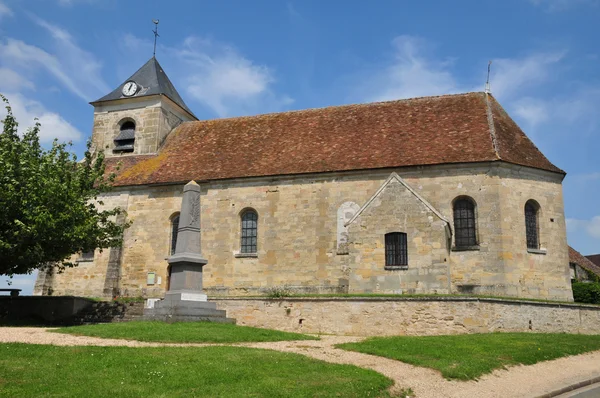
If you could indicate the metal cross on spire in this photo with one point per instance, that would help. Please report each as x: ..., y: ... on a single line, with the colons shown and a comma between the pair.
x: 155, y: 31
x: 487, y: 82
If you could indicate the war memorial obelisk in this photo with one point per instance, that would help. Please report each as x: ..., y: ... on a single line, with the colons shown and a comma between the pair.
x: 185, y: 299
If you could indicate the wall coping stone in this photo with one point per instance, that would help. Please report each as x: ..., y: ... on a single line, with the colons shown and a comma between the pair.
x: 424, y: 299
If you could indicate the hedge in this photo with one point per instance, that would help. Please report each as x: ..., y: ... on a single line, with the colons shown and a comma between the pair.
x: 586, y: 292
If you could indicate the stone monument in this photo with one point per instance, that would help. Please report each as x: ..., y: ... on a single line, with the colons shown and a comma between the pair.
x: 185, y: 300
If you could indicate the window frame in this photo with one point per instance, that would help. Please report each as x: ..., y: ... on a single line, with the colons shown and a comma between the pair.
x: 174, y: 229
x: 125, y: 145
x: 532, y: 232
x: 86, y: 257
x: 472, y: 240
x: 396, y: 250
x: 248, y: 232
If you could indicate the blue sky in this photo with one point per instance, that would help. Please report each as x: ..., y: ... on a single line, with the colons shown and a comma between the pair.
x: 231, y: 58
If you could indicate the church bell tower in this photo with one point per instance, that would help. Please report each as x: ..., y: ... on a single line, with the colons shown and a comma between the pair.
x: 136, y: 117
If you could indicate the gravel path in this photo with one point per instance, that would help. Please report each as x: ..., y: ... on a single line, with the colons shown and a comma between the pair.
x: 517, y: 381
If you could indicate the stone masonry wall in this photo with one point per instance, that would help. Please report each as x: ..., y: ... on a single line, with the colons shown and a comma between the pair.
x: 298, y: 229
x: 153, y: 119
x: 416, y: 317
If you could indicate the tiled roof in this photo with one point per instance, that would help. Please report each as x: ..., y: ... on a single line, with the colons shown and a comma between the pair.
x: 153, y: 81
x: 579, y: 259
x: 460, y: 128
x: 595, y: 258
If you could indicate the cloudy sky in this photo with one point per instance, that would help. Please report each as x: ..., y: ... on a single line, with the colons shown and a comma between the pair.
x: 230, y: 58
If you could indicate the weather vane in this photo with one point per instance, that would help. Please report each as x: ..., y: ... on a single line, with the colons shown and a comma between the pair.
x: 155, y: 31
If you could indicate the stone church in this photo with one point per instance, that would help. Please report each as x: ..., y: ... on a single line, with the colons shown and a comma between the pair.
x: 432, y: 195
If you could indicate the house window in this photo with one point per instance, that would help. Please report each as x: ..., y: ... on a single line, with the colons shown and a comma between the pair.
x: 531, y: 225
x: 465, y: 226
x: 396, y: 249
x: 174, y: 230
x: 249, y: 231
x: 87, y: 256
x: 126, y: 138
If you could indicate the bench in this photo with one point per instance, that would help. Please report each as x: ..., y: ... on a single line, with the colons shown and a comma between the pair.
x: 13, y: 292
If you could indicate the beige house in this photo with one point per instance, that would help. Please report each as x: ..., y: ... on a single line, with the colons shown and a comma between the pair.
x: 428, y: 195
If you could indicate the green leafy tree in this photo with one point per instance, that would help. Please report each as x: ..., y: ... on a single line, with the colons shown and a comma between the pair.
x: 49, y: 202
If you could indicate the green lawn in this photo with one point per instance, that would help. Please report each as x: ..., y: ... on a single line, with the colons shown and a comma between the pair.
x: 467, y: 357
x: 183, y: 332
x: 51, y: 371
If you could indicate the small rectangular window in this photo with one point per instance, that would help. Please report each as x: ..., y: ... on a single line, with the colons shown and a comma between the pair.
x: 396, y: 249
x: 87, y: 256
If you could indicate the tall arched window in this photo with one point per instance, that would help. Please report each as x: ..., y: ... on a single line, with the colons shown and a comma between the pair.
x: 126, y: 138
x: 174, y: 230
x: 396, y: 249
x: 465, y: 223
x: 531, y: 224
x: 249, y: 231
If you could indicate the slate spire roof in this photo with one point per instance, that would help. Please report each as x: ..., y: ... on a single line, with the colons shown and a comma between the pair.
x: 448, y: 129
x: 153, y: 81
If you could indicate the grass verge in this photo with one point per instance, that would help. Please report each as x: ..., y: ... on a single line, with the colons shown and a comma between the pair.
x: 45, y: 370
x: 467, y: 357
x: 183, y: 332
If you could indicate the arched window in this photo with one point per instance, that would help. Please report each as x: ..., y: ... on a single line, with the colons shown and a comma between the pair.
x: 465, y: 225
x: 126, y: 138
x: 174, y: 230
x: 396, y: 249
x: 249, y: 231
x: 531, y: 224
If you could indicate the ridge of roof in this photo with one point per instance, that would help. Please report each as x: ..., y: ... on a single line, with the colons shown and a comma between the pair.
x: 490, y: 116
x: 152, y: 80
x: 343, y: 106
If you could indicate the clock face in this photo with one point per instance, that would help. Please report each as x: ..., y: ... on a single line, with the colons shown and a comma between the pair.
x: 129, y: 89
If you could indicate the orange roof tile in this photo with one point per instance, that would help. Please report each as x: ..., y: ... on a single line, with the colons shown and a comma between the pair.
x: 460, y: 128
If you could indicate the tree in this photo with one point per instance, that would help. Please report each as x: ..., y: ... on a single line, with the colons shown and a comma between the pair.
x: 49, y: 202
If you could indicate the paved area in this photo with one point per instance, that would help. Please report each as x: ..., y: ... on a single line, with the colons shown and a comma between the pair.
x: 592, y: 391
x: 518, y: 381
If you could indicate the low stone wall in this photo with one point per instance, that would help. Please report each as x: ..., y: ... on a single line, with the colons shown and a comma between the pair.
x: 65, y: 310
x: 410, y: 316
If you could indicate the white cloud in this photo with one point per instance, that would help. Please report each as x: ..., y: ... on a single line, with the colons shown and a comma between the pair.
x: 561, y: 5
x: 68, y: 3
x: 75, y: 68
x: 12, y: 81
x: 591, y: 227
x: 219, y: 77
x: 534, y: 110
x: 513, y: 76
x: 588, y: 177
x: 53, y: 125
x: 226, y: 81
x: 4, y: 10
x: 411, y: 74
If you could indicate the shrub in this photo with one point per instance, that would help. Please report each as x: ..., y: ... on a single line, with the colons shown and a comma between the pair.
x: 278, y: 292
x: 586, y: 292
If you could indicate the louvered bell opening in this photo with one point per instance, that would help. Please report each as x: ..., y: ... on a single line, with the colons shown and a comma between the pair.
x: 125, y: 140
x: 123, y: 146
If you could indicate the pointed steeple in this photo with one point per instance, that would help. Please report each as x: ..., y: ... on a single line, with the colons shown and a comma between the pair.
x: 149, y: 80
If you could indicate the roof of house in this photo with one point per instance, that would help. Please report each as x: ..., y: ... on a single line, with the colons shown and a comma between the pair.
x: 152, y: 80
x: 595, y: 258
x: 448, y: 129
x: 583, y: 262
